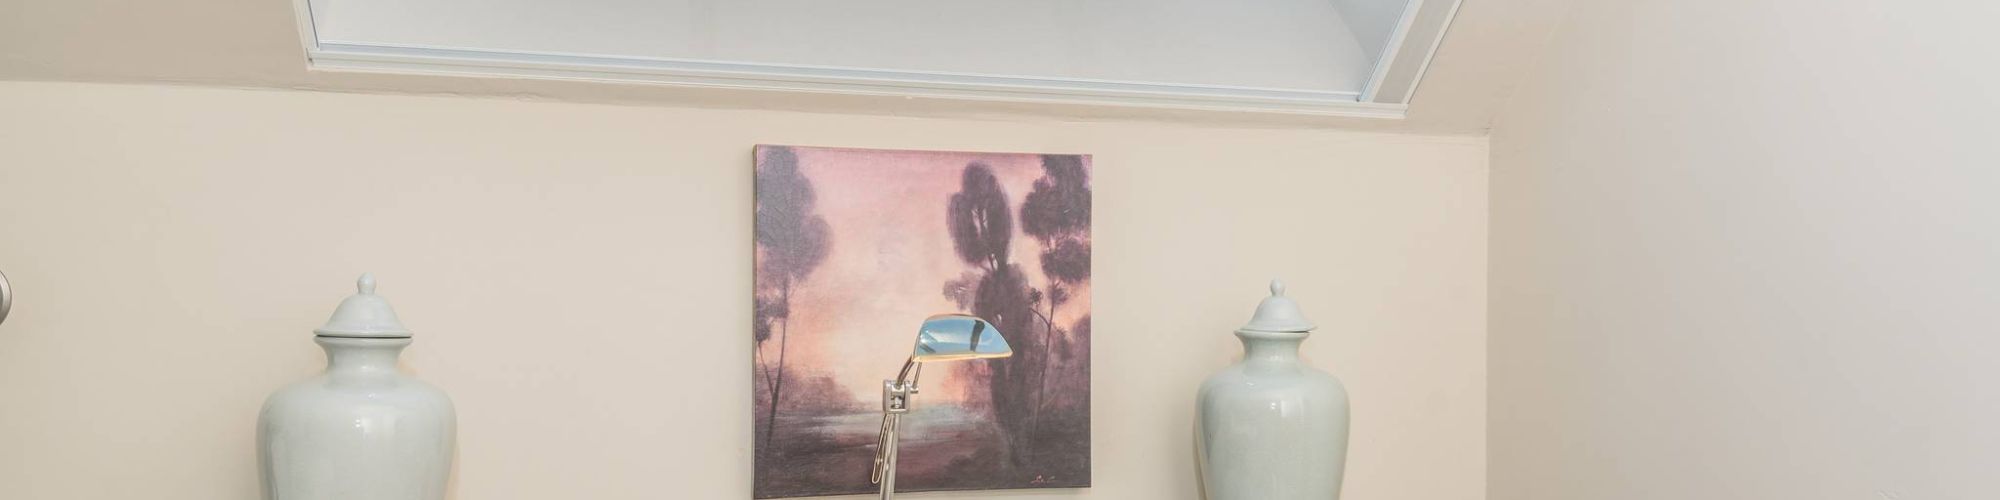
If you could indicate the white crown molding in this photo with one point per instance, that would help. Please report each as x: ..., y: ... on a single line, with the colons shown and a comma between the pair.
x: 1438, y: 41
x: 1388, y: 56
x: 331, y: 55
x: 341, y: 56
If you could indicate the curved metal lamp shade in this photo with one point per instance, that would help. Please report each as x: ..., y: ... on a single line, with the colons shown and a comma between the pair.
x: 952, y: 337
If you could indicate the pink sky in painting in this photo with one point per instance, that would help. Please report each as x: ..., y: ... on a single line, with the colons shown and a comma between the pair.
x: 856, y: 316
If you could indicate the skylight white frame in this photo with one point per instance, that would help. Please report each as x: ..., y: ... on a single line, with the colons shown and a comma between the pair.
x: 374, y: 57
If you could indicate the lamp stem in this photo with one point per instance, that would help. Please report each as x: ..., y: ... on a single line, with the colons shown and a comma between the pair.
x: 896, y: 396
x: 894, y: 424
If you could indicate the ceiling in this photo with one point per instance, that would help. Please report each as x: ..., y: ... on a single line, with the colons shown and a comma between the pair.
x: 256, y: 43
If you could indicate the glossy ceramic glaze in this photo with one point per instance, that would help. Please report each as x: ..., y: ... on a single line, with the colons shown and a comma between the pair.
x: 1270, y: 427
x: 362, y: 429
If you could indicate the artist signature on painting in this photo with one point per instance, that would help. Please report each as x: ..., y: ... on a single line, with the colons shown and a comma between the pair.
x: 1042, y: 479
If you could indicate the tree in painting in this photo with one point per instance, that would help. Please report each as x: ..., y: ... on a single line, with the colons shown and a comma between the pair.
x: 1057, y: 214
x: 982, y: 228
x: 791, y: 240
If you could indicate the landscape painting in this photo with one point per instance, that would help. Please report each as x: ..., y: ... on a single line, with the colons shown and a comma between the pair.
x: 854, y: 249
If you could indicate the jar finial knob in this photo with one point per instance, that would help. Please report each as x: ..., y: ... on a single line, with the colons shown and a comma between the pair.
x: 364, y: 315
x: 1278, y: 313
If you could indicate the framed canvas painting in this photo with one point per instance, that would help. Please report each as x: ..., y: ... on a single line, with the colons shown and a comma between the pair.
x: 854, y: 248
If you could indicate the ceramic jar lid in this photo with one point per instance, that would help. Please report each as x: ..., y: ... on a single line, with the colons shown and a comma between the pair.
x: 1278, y: 314
x: 364, y: 315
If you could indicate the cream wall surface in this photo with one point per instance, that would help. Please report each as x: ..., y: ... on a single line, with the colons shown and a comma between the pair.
x: 578, y: 277
x: 1750, y: 250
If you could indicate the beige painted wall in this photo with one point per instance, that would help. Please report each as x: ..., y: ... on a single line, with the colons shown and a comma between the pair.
x: 1750, y: 250
x: 578, y: 278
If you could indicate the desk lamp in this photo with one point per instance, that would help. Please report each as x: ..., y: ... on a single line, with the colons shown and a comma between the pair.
x: 944, y: 337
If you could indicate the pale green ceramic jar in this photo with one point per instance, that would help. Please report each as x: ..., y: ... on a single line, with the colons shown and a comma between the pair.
x: 1270, y: 427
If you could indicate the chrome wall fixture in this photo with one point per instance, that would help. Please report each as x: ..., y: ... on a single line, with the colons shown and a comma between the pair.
x: 6, y: 297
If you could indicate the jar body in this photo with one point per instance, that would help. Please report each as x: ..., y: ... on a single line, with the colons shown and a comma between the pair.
x: 362, y: 430
x: 1272, y: 428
